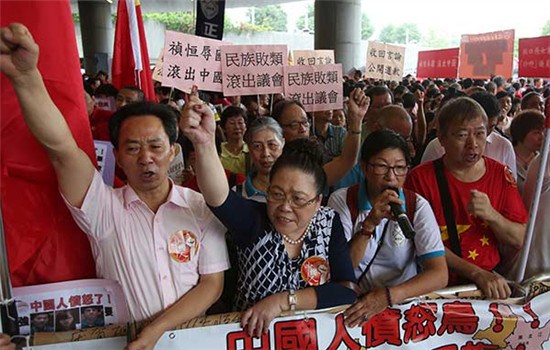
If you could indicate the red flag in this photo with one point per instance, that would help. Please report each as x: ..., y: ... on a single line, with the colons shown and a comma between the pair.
x: 43, y: 242
x: 130, y: 56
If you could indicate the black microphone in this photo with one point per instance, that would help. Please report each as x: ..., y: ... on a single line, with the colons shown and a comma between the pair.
x: 402, y: 218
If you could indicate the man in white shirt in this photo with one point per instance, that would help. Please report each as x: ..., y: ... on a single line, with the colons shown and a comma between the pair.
x: 158, y: 240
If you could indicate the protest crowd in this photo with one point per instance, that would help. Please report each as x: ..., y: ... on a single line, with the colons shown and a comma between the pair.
x: 250, y: 203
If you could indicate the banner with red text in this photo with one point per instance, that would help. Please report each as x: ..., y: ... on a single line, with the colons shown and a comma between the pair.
x: 385, y: 61
x: 253, y: 69
x: 534, y: 57
x: 70, y: 305
x: 451, y: 324
x: 192, y: 60
x: 318, y: 87
x: 487, y: 54
x: 441, y: 322
x: 438, y: 63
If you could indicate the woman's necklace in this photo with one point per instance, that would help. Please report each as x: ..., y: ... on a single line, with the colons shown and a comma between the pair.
x: 301, y: 238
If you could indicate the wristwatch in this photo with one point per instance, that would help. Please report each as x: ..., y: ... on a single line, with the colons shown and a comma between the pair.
x: 292, y: 299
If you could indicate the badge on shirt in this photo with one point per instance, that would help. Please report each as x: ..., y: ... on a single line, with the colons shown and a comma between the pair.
x: 509, y: 176
x: 315, y: 271
x: 183, y: 246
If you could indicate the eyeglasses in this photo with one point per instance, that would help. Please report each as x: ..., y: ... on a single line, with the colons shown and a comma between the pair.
x: 383, y: 169
x: 295, y: 201
x: 462, y: 136
x: 295, y: 125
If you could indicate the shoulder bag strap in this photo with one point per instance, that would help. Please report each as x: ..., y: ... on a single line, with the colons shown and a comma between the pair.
x: 447, y: 206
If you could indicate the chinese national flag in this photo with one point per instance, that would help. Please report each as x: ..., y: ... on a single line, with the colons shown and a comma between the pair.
x: 130, y: 56
x: 44, y: 244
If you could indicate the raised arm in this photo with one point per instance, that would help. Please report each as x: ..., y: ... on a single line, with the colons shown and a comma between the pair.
x: 197, y: 123
x: 339, y: 166
x: 18, y: 61
x: 421, y: 127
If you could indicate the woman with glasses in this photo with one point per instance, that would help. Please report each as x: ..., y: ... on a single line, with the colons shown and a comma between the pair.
x: 384, y: 258
x: 292, y: 252
x: 292, y: 117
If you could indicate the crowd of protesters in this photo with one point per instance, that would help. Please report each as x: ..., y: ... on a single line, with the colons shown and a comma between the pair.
x: 305, y: 202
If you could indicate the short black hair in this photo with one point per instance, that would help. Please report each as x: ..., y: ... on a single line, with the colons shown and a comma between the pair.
x: 400, y: 89
x: 488, y: 102
x: 140, y: 93
x: 107, y: 90
x: 167, y: 116
x: 379, y: 140
x: 502, y: 94
x: 231, y: 112
x: 306, y: 155
x: 525, y: 99
x: 282, y: 105
x: 378, y: 91
x: 409, y: 100
x: 524, y: 122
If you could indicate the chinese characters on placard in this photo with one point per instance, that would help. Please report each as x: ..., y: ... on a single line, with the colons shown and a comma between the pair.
x: 312, y: 57
x: 319, y: 87
x: 253, y: 69
x: 190, y: 60
x: 385, y: 61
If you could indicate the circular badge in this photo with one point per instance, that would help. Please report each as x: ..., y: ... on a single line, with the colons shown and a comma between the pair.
x: 315, y: 271
x: 183, y: 246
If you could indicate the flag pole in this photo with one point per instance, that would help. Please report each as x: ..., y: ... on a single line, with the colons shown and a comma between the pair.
x: 8, y: 310
x: 520, y: 274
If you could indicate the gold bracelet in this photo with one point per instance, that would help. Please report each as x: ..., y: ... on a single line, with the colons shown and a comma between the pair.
x: 353, y: 132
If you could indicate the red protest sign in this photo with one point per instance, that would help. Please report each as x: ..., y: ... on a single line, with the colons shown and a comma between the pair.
x: 483, y: 55
x: 534, y: 57
x: 437, y: 63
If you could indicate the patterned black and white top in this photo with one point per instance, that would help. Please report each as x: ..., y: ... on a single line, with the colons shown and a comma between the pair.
x: 264, y: 266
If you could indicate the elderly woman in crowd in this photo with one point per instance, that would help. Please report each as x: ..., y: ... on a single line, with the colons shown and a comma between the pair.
x: 292, y: 252
x: 385, y: 259
x: 265, y: 143
x: 234, y: 151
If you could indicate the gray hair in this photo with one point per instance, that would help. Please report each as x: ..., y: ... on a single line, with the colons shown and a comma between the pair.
x: 264, y: 123
x: 499, y: 80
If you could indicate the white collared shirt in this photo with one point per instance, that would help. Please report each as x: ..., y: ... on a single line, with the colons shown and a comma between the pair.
x: 156, y: 258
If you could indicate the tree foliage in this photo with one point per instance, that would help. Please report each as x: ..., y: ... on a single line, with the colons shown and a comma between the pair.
x: 270, y: 18
x: 301, y: 21
x: 367, y: 28
x: 434, y: 40
x: 546, y: 28
x: 400, y: 34
x: 176, y: 21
